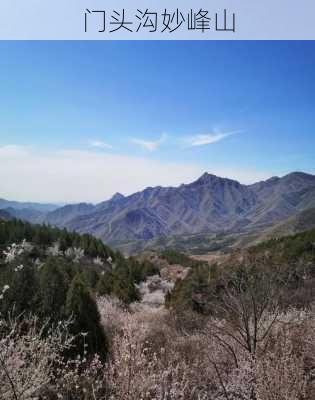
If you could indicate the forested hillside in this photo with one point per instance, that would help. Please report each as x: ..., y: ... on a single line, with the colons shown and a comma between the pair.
x: 289, y: 260
x: 240, y: 328
x: 56, y: 274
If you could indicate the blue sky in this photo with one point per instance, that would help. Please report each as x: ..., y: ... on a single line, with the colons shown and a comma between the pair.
x: 82, y: 120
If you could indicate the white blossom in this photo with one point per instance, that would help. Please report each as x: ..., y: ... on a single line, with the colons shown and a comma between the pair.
x: 19, y: 268
x: 74, y: 253
x: 98, y: 261
x: 54, y: 250
x: 15, y: 250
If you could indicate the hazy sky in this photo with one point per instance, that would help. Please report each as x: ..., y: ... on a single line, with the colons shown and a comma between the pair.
x: 82, y: 120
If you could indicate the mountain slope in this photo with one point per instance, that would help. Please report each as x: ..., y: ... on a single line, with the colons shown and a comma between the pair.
x: 42, y: 207
x: 61, y: 216
x: 5, y: 215
x: 305, y: 220
x: 25, y: 214
x: 209, y: 204
x: 281, y: 198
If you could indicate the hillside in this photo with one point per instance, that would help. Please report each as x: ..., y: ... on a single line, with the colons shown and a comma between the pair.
x: 42, y: 207
x: 105, y: 270
x: 291, y: 259
x: 303, y: 221
x: 198, y: 211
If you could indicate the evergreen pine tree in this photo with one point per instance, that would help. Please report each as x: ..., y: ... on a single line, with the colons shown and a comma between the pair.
x: 23, y: 289
x: 86, y: 319
x: 53, y: 290
x: 105, y: 284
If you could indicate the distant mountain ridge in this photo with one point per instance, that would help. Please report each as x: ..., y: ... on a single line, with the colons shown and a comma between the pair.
x: 18, y: 205
x: 209, y: 204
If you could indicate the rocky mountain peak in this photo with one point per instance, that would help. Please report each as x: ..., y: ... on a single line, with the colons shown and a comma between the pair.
x: 211, y: 179
x: 206, y: 178
x: 117, y: 196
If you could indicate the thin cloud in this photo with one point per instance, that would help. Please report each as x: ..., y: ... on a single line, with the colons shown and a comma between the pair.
x: 99, y: 144
x: 148, y: 144
x: 67, y: 176
x: 205, y: 139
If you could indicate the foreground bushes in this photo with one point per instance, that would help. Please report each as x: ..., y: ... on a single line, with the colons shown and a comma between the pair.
x: 152, y: 359
x: 155, y: 356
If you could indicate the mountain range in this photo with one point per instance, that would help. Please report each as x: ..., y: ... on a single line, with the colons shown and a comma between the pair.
x: 208, y: 205
x: 16, y: 205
